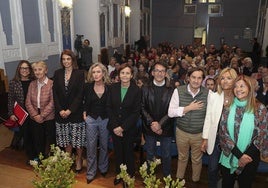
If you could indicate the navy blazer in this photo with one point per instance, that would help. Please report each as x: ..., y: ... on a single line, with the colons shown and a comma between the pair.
x: 73, y: 99
x: 127, y: 112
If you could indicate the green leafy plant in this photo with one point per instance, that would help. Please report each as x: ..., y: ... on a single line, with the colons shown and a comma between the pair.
x: 125, y: 176
x: 54, y: 171
x: 149, y: 178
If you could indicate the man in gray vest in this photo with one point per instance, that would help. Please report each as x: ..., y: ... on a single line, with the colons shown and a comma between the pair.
x: 188, y: 105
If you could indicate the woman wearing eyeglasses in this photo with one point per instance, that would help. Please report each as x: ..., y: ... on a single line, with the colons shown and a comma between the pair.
x: 18, y: 88
x: 243, y: 135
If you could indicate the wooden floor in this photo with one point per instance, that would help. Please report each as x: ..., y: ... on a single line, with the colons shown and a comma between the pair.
x: 15, y: 173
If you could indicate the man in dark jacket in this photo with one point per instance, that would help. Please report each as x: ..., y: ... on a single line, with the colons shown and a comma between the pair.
x: 86, y: 54
x: 157, y: 126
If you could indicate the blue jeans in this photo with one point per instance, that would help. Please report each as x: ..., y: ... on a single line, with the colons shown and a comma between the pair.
x: 213, y: 165
x: 165, y: 147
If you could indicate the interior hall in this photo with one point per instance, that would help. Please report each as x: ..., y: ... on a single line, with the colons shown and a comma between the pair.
x: 185, y: 34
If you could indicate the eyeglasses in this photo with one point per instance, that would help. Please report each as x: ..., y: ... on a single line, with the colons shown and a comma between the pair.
x: 24, y: 68
x: 159, y: 71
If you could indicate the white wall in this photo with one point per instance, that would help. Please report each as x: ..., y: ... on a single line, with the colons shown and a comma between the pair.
x: 86, y: 22
x: 134, y: 21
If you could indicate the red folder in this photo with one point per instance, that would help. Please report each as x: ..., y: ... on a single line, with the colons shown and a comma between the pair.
x: 20, y: 113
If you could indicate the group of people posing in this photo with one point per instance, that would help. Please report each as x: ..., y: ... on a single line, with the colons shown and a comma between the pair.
x: 76, y: 111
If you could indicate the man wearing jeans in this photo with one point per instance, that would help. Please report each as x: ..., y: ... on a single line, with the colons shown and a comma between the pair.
x: 188, y: 105
x: 157, y: 126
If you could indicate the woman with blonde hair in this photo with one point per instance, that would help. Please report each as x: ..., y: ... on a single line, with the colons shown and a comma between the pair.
x: 243, y: 135
x: 219, y: 100
x: 40, y: 105
x: 96, y: 118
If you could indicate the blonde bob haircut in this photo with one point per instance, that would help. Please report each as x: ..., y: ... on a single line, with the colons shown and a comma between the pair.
x: 232, y: 73
x: 106, y: 78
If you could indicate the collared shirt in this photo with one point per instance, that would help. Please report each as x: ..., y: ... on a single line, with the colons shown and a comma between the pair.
x: 175, y: 110
x: 39, y: 86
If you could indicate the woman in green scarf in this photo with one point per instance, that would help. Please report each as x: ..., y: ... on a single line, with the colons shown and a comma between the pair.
x: 243, y: 135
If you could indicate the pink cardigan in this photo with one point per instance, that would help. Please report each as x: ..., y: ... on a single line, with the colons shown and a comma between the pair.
x: 46, y: 100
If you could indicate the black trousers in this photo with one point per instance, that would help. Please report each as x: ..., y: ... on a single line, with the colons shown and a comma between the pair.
x: 124, y: 152
x: 44, y: 134
x: 246, y: 178
x: 29, y: 139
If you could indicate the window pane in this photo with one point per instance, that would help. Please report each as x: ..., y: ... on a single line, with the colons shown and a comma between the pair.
x: 30, y: 13
x: 6, y: 20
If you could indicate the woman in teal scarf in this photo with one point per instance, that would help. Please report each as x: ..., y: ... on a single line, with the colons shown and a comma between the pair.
x: 243, y: 136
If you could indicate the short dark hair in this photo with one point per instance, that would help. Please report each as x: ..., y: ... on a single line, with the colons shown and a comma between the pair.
x: 125, y: 65
x: 212, y: 79
x: 162, y: 63
x: 194, y: 69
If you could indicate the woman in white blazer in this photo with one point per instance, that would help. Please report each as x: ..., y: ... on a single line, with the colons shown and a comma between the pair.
x: 219, y: 100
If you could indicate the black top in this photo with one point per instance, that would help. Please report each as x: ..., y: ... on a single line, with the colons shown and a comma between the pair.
x: 73, y: 99
x: 25, y: 86
x: 124, y: 113
x: 158, y: 93
x: 154, y: 107
x: 94, y: 105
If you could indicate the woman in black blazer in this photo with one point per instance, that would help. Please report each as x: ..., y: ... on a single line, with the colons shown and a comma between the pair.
x: 124, y: 104
x: 68, y: 92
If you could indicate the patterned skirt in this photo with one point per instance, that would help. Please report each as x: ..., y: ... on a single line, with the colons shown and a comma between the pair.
x: 73, y: 134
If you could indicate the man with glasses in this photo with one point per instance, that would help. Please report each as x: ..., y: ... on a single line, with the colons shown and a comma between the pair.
x: 157, y: 126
